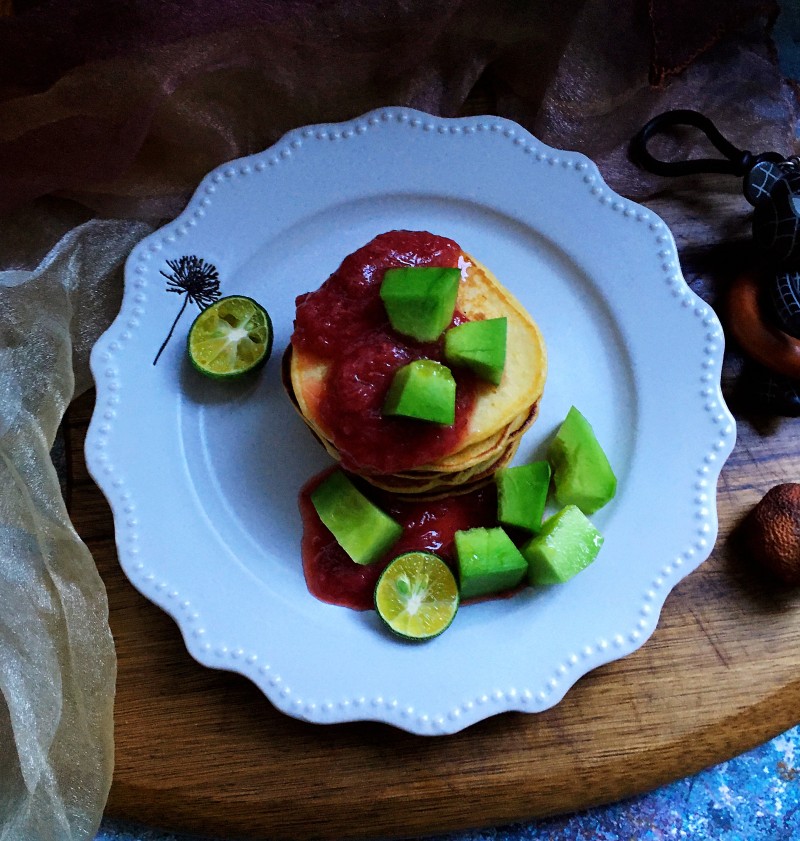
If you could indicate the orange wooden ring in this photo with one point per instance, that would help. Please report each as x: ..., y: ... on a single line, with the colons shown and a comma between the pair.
x: 765, y: 343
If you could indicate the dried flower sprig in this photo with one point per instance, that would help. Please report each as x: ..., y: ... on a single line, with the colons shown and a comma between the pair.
x: 194, y: 278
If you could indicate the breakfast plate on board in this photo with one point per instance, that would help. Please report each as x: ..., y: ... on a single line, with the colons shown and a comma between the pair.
x: 203, y: 477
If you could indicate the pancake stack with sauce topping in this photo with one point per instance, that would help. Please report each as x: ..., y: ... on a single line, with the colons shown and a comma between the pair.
x: 344, y: 353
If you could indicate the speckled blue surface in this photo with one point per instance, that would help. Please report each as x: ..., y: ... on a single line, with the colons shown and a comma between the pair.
x: 753, y: 797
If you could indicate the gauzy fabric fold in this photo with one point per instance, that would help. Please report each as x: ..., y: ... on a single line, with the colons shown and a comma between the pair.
x: 112, y: 112
x: 57, y: 661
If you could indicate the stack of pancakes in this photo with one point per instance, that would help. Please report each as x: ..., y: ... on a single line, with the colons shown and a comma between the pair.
x: 500, y: 416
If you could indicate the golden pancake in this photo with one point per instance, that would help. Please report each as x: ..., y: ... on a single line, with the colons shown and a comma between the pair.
x: 446, y: 485
x: 479, y: 453
x: 480, y: 296
x: 452, y: 464
x: 500, y: 413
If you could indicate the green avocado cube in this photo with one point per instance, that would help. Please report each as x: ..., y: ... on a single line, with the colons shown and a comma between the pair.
x: 364, y: 531
x: 423, y: 389
x: 420, y: 300
x: 479, y: 346
x: 522, y: 495
x: 488, y: 562
x: 567, y: 544
x: 582, y: 474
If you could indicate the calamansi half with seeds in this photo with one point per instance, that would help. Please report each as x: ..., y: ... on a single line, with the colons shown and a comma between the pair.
x: 417, y: 596
x: 230, y: 338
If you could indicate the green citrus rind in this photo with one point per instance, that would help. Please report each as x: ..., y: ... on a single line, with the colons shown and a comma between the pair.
x: 417, y: 596
x: 230, y: 338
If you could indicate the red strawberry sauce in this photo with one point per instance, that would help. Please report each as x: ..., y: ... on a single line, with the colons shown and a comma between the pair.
x: 428, y: 525
x: 345, y: 323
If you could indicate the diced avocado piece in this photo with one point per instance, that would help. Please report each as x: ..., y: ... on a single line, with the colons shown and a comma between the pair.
x: 360, y: 527
x: 423, y: 389
x: 420, y: 300
x: 567, y: 544
x: 581, y: 472
x: 522, y: 495
x: 488, y: 562
x: 479, y: 346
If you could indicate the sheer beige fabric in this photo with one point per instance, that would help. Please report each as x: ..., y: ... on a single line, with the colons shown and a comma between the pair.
x: 57, y: 663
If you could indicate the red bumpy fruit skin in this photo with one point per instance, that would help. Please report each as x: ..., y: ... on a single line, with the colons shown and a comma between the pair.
x: 773, y: 532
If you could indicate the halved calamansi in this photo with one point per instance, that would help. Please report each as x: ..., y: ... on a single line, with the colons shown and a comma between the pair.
x: 230, y: 338
x: 417, y: 596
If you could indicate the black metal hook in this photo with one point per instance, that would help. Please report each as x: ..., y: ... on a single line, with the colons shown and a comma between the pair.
x: 736, y: 161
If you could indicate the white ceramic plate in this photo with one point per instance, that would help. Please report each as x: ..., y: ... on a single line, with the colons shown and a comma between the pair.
x: 203, y: 477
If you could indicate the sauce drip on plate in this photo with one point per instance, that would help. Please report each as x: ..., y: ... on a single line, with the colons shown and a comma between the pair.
x: 344, y: 322
x: 429, y: 525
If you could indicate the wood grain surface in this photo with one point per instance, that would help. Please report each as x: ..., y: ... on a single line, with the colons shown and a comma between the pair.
x: 204, y: 752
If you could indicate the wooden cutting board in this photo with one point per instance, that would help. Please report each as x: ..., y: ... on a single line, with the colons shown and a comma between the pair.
x: 204, y: 752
